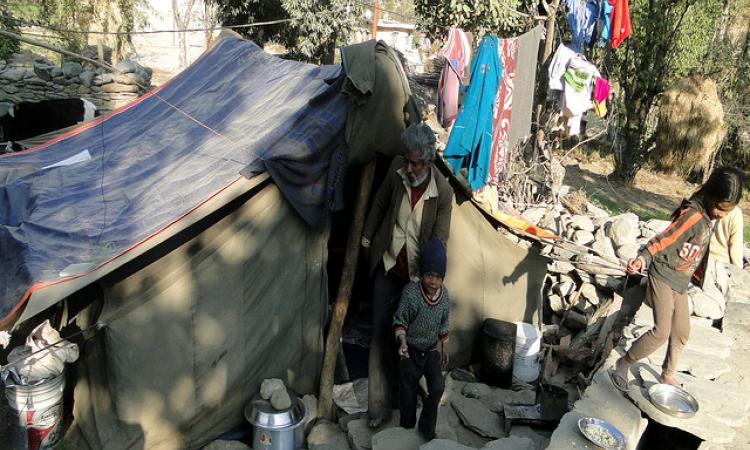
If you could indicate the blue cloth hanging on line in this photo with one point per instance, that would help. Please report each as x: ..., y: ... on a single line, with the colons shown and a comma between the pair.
x: 605, y: 18
x: 582, y: 16
x: 472, y: 132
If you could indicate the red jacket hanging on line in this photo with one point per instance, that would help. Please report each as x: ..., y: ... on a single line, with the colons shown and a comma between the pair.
x: 620, y: 26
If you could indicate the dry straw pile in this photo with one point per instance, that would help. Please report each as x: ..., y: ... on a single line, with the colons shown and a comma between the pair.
x: 691, y: 127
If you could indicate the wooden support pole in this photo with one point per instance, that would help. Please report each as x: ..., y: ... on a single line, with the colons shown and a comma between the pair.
x: 375, y: 18
x: 549, y: 38
x: 333, y: 341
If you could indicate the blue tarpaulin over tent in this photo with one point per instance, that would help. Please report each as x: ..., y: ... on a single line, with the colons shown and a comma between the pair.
x: 75, y: 203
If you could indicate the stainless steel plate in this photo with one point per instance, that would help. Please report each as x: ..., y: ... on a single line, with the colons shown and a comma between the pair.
x: 601, y: 433
x: 673, y: 400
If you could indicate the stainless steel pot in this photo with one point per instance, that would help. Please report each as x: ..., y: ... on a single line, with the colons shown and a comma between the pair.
x: 274, y: 429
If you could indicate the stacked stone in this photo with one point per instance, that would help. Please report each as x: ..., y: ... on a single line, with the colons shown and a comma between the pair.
x: 32, y: 78
x: 596, y: 251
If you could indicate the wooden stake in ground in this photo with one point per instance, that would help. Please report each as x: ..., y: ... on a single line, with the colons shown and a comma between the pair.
x: 333, y: 341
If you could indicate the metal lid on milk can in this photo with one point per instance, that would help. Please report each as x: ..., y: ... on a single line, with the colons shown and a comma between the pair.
x: 260, y: 413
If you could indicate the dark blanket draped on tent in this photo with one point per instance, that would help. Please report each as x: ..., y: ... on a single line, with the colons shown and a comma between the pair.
x: 90, y: 195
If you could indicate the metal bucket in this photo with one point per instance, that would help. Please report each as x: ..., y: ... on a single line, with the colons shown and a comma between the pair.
x: 39, y: 409
x: 274, y: 429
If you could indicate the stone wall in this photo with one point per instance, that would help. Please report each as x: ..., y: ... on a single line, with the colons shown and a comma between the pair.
x: 31, y: 78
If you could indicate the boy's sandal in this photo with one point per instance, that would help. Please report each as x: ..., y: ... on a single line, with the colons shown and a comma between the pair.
x: 620, y: 383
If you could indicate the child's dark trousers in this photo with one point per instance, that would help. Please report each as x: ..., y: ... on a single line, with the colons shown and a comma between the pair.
x: 411, y: 370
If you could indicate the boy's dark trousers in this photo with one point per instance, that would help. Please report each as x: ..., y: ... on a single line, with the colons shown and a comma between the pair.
x: 411, y: 370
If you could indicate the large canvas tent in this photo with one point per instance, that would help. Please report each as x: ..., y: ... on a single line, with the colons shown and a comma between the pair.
x: 208, y: 281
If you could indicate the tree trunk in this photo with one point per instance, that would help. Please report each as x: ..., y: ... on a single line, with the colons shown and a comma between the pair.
x: 551, y: 9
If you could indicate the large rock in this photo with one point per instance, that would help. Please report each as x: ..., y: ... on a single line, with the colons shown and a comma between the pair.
x: 551, y: 221
x: 511, y: 443
x: 269, y: 386
x: 623, y: 230
x: 534, y: 214
x: 444, y: 444
x: 704, y: 305
x: 556, y: 305
x: 127, y: 66
x: 607, y: 282
x: 361, y: 436
x: 104, y: 78
x: 589, y: 292
x: 117, y: 87
x: 475, y: 390
x: 280, y: 400
x: 582, y: 223
x: 628, y: 251
x: 603, y: 246
x: 128, y: 78
x: 397, y: 439
x: 564, y: 288
x: 87, y: 78
x: 326, y: 436
x: 17, y: 74
x: 71, y: 69
x: 583, y: 237
x: 43, y: 71
x: 595, y: 211
x: 33, y: 82
x: 646, y: 233
x: 560, y: 267
x: 523, y: 431
x: 477, y: 417
x: 656, y: 225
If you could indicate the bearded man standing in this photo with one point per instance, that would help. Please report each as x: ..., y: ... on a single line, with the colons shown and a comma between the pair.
x: 413, y: 204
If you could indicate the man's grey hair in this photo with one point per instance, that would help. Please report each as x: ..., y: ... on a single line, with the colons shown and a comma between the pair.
x: 420, y: 137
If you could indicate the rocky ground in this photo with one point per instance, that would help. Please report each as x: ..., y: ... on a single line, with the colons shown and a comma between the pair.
x: 714, y: 368
x: 470, y: 416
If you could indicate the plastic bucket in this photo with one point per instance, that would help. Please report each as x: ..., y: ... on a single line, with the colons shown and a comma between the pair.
x: 497, y: 346
x: 526, y: 361
x: 39, y: 409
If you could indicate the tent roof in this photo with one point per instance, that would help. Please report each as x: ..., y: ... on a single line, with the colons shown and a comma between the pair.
x: 93, y: 199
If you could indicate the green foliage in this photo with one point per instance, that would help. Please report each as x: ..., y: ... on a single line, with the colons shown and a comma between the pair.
x: 8, y: 46
x: 311, y: 35
x: 317, y: 25
x: 500, y: 17
x: 68, y: 19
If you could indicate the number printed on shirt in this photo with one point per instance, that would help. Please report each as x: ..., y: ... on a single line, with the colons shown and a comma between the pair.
x: 689, y: 251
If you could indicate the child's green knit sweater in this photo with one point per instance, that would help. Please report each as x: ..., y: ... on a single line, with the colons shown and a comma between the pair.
x: 422, y: 319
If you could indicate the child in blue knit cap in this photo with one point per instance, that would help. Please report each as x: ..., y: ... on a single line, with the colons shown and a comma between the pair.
x: 421, y: 325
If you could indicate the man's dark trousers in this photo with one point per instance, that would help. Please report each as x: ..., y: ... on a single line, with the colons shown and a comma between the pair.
x: 382, y: 364
x: 411, y: 370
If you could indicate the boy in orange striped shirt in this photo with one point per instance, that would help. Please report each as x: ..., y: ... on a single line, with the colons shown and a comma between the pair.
x: 672, y: 257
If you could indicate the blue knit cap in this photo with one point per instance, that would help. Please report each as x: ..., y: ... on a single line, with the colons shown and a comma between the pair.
x: 433, y: 257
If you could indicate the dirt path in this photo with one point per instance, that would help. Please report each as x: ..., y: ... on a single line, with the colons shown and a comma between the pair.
x: 654, y: 195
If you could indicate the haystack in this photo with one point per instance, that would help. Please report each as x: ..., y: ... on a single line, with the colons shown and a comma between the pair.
x: 691, y: 127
